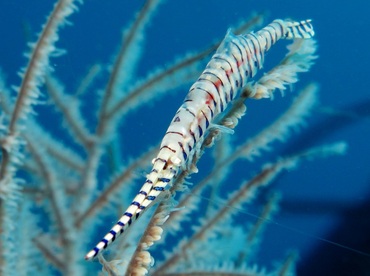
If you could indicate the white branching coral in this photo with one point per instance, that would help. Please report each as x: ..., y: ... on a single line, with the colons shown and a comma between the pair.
x: 61, y: 187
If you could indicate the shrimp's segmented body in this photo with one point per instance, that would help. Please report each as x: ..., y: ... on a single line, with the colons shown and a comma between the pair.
x: 236, y: 61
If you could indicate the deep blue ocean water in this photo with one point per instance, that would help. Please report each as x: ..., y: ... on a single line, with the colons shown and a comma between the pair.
x: 322, y: 199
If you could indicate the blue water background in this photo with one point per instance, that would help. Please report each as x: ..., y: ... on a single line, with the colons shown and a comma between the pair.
x: 318, y: 193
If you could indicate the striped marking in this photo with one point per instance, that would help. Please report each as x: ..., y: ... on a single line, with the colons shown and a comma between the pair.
x: 205, y: 117
x: 216, y: 88
x: 188, y: 110
x: 193, y: 135
x: 113, y: 234
x: 200, y: 131
x: 185, y: 156
x: 236, y: 60
x: 175, y: 132
x: 167, y: 147
x: 208, y: 99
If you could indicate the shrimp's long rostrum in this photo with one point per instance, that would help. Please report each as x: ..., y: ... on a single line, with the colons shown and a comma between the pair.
x: 235, y: 62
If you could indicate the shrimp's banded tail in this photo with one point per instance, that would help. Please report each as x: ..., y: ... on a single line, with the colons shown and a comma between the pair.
x: 160, y: 176
x: 301, y: 29
x: 236, y: 61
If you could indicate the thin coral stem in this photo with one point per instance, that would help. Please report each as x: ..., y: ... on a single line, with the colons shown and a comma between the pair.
x: 49, y: 253
x: 279, y: 129
x: 33, y: 75
x: 56, y: 198
x: 252, y: 239
x: 68, y: 106
x: 88, y: 80
x: 245, y: 193
x: 95, y: 149
x: 141, y: 260
x: 184, y: 64
x: 39, y: 58
x: 287, y: 267
x: 129, y: 39
x: 153, y: 81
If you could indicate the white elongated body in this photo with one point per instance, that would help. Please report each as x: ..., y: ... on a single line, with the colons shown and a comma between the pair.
x: 236, y: 61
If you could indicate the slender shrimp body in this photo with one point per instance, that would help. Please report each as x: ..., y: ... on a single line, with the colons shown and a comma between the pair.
x: 236, y: 61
